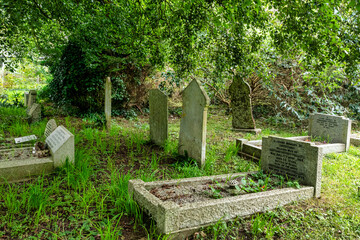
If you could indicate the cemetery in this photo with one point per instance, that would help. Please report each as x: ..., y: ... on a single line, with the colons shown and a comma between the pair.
x: 178, y: 120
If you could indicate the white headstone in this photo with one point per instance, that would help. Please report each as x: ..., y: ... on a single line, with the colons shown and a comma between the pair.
x: 158, y: 121
x: 192, y: 138
x: 25, y: 139
x: 296, y: 159
x: 50, y: 127
x: 333, y: 129
x: 61, y: 145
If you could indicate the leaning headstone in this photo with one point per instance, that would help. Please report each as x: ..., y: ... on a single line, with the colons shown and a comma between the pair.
x: 35, y: 113
x: 50, y: 127
x: 25, y: 139
x: 330, y: 128
x: 61, y: 145
x: 192, y: 138
x: 295, y: 159
x: 242, y: 117
x: 158, y: 104
x: 108, y: 103
x: 26, y: 98
x: 32, y: 98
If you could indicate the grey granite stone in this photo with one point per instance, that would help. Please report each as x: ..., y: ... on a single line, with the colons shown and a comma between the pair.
x: 26, y: 98
x: 242, y: 117
x: 50, y: 127
x: 61, y: 145
x: 192, y: 137
x: 34, y: 113
x: 158, y: 121
x: 292, y: 158
x: 329, y: 128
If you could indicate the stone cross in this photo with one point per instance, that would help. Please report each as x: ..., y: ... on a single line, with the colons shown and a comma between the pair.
x: 158, y: 104
x: 34, y: 113
x: 295, y: 159
x: 242, y: 117
x: 50, y: 127
x: 330, y: 128
x: 108, y: 103
x: 62, y: 146
x: 192, y: 137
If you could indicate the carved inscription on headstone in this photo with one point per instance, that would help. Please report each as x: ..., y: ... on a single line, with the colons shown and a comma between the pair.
x: 287, y: 157
x: 57, y: 139
x: 25, y: 139
x: 326, y: 122
x: 50, y: 127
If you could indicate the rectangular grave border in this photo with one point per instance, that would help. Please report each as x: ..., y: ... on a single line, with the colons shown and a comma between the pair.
x: 180, y: 220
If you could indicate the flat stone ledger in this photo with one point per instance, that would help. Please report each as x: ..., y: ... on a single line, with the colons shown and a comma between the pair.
x: 61, y: 145
x: 26, y: 98
x: 25, y: 139
x: 295, y: 159
x: 50, y: 127
x: 35, y: 113
x: 192, y: 137
x: 158, y: 104
x: 329, y: 128
x: 241, y: 105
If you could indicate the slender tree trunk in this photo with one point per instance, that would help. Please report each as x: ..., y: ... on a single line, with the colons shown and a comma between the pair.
x: 108, y: 103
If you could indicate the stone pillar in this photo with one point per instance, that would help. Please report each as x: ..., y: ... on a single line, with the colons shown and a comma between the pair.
x: 158, y: 104
x: 192, y: 138
x: 26, y: 98
x: 32, y: 98
x: 242, y: 117
x: 108, y: 103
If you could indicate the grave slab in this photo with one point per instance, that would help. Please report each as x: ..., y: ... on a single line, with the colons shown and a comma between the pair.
x: 25, y: 139
x: 192, y: 137
x: 61, y: 145
x: 158, y: 121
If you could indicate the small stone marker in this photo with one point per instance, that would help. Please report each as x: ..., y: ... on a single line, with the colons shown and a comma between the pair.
x: 192, y: 137
x: 158, y: 104
x: 50, y: 127
x: 25, y: 139
x: 329, y: 128
x: 26, y: 98
x: 35, y: 113
x: 108, y: 103
x: 296, y: 159
x: 61, y: 145
x: 32, y: 98
x: 241, y: 106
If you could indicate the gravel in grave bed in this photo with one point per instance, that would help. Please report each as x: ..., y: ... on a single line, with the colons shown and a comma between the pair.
x: 25, y: 153
x: 202, y: 191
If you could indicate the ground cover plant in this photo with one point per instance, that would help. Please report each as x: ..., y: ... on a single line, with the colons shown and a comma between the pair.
x: 90, y: 200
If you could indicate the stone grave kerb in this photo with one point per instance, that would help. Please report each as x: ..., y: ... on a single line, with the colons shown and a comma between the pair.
x: 62, y: 146
x: 292, y: 158
x: 158, y: 120
x: 192, y: 137
x: 330, y: 128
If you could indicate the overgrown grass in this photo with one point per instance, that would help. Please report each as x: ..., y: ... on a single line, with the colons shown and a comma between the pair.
x: 90, y: 199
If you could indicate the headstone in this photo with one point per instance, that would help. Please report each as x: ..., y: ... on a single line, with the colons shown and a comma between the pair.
x: 61, y: 145
x: 35, y: 113
x: 108, y: 103
x: 50, y: 127
x: 158, y: 104
x: 25, y: 139
x: 26, y: 98
x: 296, y: 159
x: 192, y: 137
x: 242, y: 117
x: 32, y: 98
x: 329, y: 128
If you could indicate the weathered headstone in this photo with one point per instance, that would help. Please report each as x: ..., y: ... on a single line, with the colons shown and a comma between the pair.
x: 26, y: 98
x: 35, y: 113
x: 329, y: 128
x: 192, y: 138
x: 296, y: 159
x: 61, y: 145
x: 32, y: 98
x: 50, y: 127
x: 25, y: 139
x: 242, y: 117
x: 158, y: 104
x: 108, y: 103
